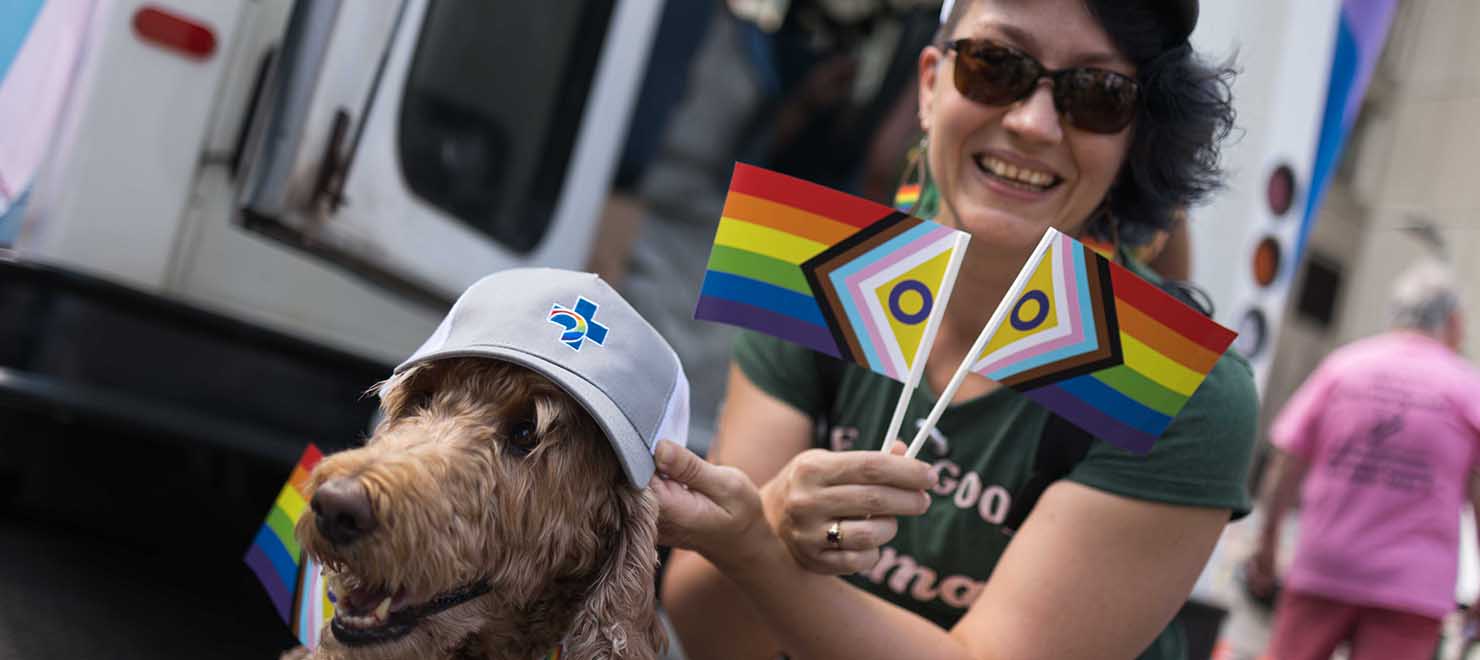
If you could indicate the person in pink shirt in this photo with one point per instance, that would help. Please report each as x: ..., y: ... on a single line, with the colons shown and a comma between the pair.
x: 1381, y: 444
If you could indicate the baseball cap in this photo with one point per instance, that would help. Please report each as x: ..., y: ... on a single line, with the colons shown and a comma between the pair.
x: 1182, y: 14
x: 574, y: 329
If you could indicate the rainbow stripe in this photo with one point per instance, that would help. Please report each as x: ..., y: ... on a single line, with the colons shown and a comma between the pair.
x: 907, y: 197
x: 293, y: 580
x: 835, y: 273
x: 1100, y: 346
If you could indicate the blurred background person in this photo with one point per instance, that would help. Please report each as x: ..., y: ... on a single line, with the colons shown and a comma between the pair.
x: 1380, y: 446
x: 817, y: 89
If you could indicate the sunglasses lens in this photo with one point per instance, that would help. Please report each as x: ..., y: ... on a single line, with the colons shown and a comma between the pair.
x: 993, y: 75
x: 1096, y: 101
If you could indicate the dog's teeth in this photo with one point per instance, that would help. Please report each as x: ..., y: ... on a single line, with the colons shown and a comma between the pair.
x: 384, y: 609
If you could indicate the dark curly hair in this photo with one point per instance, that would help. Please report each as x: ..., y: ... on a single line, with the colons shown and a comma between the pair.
x: 1185, y: 113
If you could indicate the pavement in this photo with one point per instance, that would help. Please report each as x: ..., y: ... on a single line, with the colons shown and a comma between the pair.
x: 70, y: 593
x: 119, y: 549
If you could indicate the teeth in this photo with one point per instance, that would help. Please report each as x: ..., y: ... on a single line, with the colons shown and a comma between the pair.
x: 356, y: 621
x: 1019, y: 174
x: 383, y: 610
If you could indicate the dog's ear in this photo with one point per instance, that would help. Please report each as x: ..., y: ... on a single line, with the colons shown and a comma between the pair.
x: 619, y: 618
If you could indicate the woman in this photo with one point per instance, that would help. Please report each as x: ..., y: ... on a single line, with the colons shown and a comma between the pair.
x: 1109, y: 553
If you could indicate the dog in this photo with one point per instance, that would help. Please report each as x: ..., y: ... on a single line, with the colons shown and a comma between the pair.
x: 487, y: 517
x: 496, y: 512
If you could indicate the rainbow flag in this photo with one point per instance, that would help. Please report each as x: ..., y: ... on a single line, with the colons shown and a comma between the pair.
x: 1098, y: 345
x: 294, y: 581
x: 906, y: 197
x: 835, y: 273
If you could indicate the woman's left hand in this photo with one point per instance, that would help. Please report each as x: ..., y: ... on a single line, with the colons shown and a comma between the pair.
x: 711, y: 509
x: 834, y: 510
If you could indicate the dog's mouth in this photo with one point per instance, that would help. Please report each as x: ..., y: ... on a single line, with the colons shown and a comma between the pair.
x: 364, y: 616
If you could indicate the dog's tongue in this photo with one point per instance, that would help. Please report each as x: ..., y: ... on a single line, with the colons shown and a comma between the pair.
x: 362, y: 601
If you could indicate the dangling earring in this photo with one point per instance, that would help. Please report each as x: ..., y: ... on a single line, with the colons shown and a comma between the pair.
x: 914, y: 179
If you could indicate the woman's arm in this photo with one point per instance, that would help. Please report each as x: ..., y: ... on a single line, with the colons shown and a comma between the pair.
x: 1090, y: 575
x: 757, y: 434
x: 806, y: 490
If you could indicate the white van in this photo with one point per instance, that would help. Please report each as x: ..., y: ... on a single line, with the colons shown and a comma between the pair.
x: 252, y: 209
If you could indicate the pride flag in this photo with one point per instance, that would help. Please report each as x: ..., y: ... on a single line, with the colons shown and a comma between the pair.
x: 1361, y: 30
x: 1098, y: 345
x: 835, y: 273
x: 907, y: 197
x: 294, y: 581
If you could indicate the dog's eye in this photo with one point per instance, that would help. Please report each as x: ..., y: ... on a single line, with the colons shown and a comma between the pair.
x: 522, y: 438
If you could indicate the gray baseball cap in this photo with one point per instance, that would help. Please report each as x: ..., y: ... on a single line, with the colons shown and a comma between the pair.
x: 574, y: 329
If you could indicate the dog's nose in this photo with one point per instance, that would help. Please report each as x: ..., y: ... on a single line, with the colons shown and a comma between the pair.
x: 342, y: 511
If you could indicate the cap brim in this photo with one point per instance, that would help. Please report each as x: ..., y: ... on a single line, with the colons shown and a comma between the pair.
x: 632, y: 451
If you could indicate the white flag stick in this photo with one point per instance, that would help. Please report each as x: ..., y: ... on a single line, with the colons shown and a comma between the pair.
x: 927, y: 339
x: 981, y: 342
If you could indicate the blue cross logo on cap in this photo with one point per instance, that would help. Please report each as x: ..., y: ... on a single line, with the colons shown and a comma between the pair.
x: 579, y: 323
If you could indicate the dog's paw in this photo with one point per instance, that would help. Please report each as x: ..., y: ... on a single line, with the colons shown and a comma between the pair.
x: 295, y: 653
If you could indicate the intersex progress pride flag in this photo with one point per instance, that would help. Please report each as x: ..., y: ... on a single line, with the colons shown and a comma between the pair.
x: 294, y: 581
x: 835, y: 273
x: 1098, y: 345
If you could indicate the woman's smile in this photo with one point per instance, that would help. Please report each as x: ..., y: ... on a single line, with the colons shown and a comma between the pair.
x: 1016, y: 177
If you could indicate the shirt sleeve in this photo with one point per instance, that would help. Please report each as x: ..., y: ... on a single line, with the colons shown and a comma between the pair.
x: 781, y: 369
x: 1294, y: 430
x: 1203, y: 457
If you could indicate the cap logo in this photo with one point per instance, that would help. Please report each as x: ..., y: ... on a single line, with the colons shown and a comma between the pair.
x: 578, y: 323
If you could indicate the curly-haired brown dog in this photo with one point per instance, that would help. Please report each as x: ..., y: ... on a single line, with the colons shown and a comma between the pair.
x: 487, y: 517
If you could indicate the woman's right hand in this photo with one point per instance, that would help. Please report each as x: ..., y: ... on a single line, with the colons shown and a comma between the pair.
x: 714, y: 510
x: 860, y: 491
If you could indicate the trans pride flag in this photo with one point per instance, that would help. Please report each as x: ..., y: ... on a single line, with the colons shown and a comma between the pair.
x: 1361, y: 30
x: 835, y: 273
x: 1098, y: 345
x: 294, y: 581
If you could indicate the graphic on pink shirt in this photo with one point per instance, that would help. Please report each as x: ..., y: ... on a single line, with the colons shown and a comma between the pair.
x: 1390, y: 429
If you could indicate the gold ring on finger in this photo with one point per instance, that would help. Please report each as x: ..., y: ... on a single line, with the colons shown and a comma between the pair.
x: 835, y: 534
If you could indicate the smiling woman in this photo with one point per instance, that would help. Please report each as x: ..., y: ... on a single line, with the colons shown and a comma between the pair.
x: 1092, y: 117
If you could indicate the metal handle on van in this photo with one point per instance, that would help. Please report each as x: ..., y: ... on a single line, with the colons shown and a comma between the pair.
x: 285, y: 107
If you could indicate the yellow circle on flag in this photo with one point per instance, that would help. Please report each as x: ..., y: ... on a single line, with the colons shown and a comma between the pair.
x: 911, y: 304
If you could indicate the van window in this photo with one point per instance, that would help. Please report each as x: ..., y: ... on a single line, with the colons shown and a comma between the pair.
x: 491, y: 109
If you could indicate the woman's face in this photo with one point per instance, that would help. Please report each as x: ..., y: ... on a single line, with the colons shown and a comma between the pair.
x: 981, y: 155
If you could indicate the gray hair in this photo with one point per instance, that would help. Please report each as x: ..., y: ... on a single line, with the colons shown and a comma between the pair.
x: 1424, y: 297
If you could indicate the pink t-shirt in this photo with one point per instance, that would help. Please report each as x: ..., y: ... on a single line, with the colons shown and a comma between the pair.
x: 1390, y: 427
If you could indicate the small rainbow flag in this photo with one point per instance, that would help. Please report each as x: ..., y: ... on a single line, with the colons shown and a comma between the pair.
x: 835, y: 273
x: 906, y: 197
x: 1098, y: 345
x: 293, y: 580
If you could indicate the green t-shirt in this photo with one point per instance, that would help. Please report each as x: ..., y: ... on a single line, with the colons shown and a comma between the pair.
x: 938, y: 562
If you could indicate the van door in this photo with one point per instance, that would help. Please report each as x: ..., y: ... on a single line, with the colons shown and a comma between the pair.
x: 426, y: 143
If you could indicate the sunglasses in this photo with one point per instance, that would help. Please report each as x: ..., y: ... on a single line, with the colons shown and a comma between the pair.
x: 1095, y: 100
